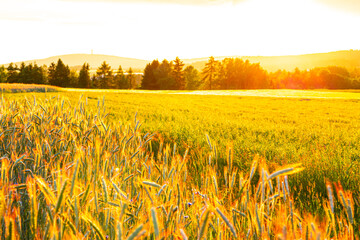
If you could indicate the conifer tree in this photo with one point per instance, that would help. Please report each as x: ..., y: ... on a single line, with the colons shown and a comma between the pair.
x: 209, y: 72
x: 59, y: 75
x: 104, y: 76
x: 120, y: 79
x: 178, y: 74
x: 84, y: 76
x: 12, y: 73
x: 131, y: 79
x: 51, y: 73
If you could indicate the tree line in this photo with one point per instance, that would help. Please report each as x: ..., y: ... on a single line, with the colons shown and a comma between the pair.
x: 235, y: 73
x: 332, y: 77
x: 59, y: 74
x: 229, y: 73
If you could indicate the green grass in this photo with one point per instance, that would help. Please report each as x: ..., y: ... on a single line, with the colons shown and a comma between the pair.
x: 319, y: 129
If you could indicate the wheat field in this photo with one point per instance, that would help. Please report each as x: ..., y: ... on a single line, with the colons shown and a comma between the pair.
x: 128, y: 165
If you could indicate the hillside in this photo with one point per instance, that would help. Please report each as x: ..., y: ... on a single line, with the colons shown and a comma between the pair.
x: 348, y: 58
x: 94, y: 60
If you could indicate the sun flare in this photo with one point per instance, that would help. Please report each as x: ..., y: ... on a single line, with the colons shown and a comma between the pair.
x: 147, y: 30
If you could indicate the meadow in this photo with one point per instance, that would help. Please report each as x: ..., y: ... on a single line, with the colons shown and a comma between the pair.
x: 132, y: 164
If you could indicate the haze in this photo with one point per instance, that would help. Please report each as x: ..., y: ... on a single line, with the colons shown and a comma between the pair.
x: 33, y: 29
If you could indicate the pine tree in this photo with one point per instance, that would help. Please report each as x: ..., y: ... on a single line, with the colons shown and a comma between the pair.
x: 31, y: 74
x: 179, y: 74
x: 24, y: 74
x: 84, y: 76
x: 59, y: 74
x: 131, y: 79
x: 104, y: 76
x: 38, y: 74
x: 120, y: 79
x: 51, y: 74
x: 12, y: 73
x: 209, y: 72
x: 62, y: 74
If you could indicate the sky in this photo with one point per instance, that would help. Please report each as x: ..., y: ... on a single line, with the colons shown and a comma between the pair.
x: 158, y: 29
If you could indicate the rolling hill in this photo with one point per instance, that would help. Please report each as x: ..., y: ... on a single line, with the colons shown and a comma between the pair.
x: 94, y: 60
x: 348, y: 58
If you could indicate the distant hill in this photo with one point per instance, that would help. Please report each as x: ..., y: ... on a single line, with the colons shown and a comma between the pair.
x: 348, y: 58
x: 75, y: 61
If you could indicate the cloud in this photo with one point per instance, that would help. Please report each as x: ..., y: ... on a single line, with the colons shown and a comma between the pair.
x: 345, y: 5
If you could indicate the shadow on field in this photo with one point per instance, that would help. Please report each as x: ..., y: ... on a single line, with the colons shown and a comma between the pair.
x: 22, y: 88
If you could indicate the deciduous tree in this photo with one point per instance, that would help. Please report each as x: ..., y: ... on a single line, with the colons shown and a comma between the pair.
x: 192, y: 78
x: 165, y: 78
x: 149, y: 80
x: 3, y: 74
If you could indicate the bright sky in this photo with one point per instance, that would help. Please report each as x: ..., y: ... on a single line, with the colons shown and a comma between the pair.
x: 145, y: 29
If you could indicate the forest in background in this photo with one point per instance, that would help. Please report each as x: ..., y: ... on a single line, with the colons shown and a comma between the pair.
x: 229, y: 73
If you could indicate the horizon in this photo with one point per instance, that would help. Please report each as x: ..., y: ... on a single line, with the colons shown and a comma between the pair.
x: 164, y: 29
x: 194, y: 58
